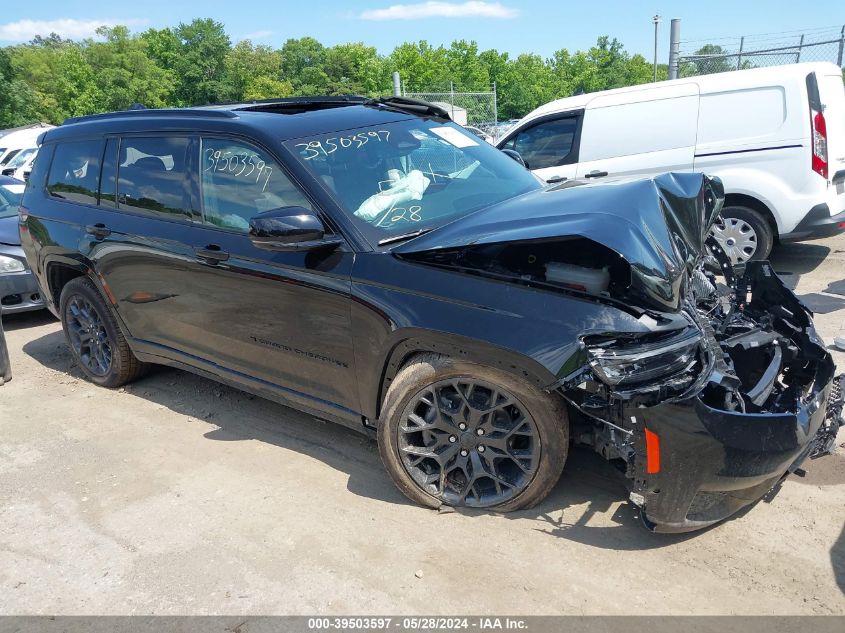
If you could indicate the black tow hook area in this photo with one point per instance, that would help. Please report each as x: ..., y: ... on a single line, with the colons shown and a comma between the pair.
x: 825, y: 439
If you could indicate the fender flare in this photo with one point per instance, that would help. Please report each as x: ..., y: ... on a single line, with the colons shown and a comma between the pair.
x: 407, y: 342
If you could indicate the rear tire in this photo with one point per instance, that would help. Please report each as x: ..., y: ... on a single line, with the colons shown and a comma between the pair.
x: 744, y: 234
x: 508, y: 456
x: 95, y: 340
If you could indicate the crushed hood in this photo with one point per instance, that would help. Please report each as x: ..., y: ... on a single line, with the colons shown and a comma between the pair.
x: 657, y: 225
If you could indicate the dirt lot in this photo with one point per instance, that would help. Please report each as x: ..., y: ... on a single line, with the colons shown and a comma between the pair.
x: 176, y: 495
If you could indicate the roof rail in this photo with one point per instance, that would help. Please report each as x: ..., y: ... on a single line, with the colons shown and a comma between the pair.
x: 179, y: 112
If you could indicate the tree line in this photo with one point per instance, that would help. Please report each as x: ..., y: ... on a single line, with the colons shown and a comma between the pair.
x: 51, y: 78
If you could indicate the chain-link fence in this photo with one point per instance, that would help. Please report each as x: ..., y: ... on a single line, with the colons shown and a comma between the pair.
x: 477, y: 109
x: 739, y: 53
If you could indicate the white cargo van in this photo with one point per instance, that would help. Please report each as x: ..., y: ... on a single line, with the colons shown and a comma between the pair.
x: 775, y: 136
x: 12, y: 142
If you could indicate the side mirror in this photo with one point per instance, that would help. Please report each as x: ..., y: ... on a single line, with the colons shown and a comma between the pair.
x: 516, y: 156
x: 289, y: 229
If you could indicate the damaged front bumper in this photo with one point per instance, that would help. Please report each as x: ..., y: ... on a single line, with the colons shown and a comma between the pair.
x: 713, y: 463
x: 706, y: 442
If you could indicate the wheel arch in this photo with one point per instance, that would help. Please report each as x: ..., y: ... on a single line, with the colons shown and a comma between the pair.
x: 411, y: 343
x: 745, y: 200
x: 58, y: 273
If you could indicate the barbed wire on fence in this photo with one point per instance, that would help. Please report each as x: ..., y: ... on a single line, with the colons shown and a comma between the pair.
x: 826, y: 44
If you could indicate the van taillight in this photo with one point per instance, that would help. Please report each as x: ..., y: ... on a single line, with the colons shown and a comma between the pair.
x: 819, y: 144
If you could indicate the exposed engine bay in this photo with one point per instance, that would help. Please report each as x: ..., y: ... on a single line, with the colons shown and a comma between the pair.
x: 704, y: 383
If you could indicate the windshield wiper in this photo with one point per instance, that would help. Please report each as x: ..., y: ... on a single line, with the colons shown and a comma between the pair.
x: 403, y: 237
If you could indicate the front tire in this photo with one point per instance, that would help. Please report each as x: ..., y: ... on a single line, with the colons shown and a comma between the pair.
x: 744, y: 234
x: 95, y: 339
x: 460, y: 434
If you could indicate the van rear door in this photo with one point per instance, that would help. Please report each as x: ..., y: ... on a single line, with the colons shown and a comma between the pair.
x: 641, y: 132
x: 832, y: 93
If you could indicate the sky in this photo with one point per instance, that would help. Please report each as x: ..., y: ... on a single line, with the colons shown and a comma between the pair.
x: 533, y: 26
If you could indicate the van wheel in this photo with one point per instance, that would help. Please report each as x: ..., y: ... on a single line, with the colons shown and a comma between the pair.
x: 95, y: 339
x: 744, y: 234
x: 459, y: 434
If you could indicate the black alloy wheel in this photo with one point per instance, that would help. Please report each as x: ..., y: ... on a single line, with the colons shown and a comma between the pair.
x: 88, y: 336
x: 95, y: 338
x: 468, y: 443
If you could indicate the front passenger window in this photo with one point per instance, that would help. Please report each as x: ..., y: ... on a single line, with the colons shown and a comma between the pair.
x: 240, y: 181
x: 546, y: 144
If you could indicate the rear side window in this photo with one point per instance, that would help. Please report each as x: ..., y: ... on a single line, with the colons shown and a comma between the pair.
x: 240, y: 181
x: 75, y: 171
x: 546, y: 144
x: 153, y: 176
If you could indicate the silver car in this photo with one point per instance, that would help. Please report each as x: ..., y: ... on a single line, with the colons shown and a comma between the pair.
x: 19, y: 290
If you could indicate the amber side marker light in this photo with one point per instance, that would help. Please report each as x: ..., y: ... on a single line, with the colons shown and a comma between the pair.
x: 652, y: 452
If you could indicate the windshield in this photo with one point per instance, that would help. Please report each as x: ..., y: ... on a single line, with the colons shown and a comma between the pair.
x: 12, y: 153
x: 21, y: 158
x: 410, y: 176
x: 10, y: 199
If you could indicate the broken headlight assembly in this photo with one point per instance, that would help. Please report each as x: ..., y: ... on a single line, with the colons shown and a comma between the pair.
x: 621, y: 362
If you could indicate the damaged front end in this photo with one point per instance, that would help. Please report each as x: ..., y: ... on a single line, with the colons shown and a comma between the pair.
x: 709, y: 418
x: 706, y: 391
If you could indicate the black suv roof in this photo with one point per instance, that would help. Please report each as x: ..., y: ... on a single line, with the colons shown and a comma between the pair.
x: 302, y: 116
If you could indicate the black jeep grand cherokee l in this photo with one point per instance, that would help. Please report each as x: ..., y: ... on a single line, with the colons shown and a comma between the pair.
x: 374, y: 264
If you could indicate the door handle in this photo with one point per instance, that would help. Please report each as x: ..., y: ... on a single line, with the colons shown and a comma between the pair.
x: 556, y: 179
x: 211, y: 254
x: 98, y: 230
x: 596, y: 174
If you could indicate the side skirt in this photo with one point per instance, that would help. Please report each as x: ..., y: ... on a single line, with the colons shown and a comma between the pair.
x: 160, y: 355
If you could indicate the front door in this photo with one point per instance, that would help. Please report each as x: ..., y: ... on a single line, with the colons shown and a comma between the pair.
x: 549, y: 146
x: 281, y: 317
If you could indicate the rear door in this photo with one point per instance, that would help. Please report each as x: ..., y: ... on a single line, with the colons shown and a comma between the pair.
x: 549, y: 145
x: 832, y: 93
x: 644, y: 132
x: 137, y: 236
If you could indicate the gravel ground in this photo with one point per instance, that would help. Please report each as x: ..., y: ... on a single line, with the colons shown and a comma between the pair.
x: 176, y: 495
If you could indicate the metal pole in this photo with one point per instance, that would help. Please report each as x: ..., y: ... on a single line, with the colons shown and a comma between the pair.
x: 496, y: 107
x: 800, y: 45
x: 397, y: 85
x: 674, y: 47
x: 656, y: 19
x: 841, y: 46
x: 452, y: 97
x: 739, y: 57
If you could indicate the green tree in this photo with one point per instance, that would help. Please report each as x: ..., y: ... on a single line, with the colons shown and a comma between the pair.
x: 421, y: 66
x: 468, y: 72
x: 125, y: 73
x: 17, y: 103
x: 355, y: 69
x: 302, y: 61
x: 200, y: 64
x: 526, y: 83
x: 247, y: 67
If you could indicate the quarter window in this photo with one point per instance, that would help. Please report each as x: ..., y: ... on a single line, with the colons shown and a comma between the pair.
x: 546, y: 144
x: 153, y: 176
x: 75, y: 171
x: 240, y: 181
